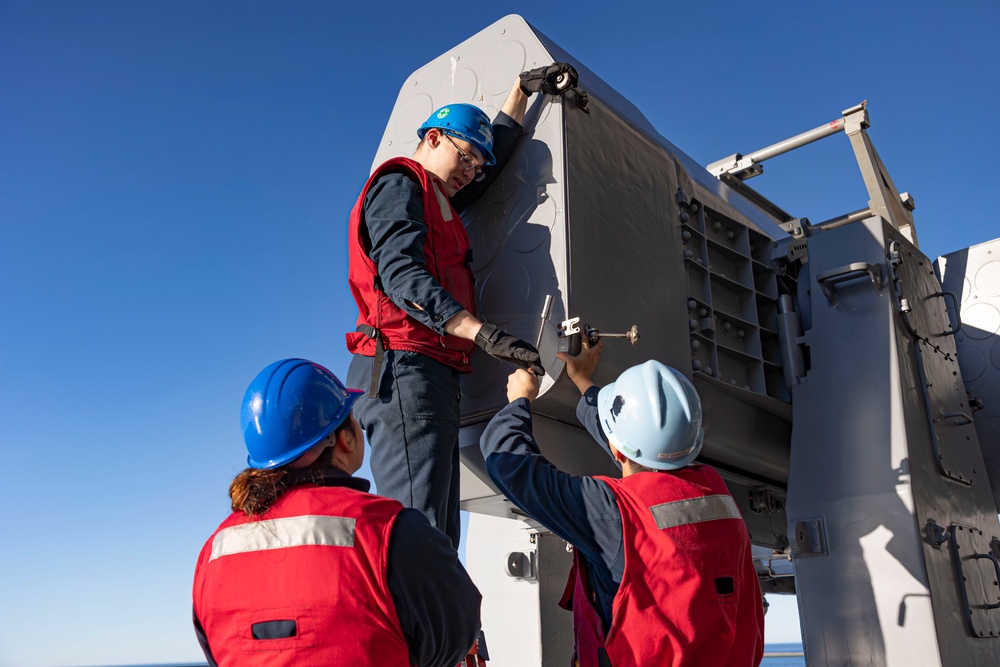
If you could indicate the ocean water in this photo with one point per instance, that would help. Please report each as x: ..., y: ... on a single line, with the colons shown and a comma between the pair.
x: 767, y: 662
x: 799, y: 661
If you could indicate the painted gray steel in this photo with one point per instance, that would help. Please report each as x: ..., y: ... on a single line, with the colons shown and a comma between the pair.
x: 973, y: 274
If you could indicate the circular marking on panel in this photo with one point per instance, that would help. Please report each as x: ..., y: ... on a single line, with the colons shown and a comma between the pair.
x: 486, y: 233
x: 989, y: 392
x: 529, y: 226
x: 988, y: 432
x: 980, y: 321
x: 966, y: 289
x: 988, y: 279
x: 463, y: 87
x: 510, y: 180
x: 547, y: 349
x: 995, y: 354
x: 502, y: 67
x: 971, y: 361
x: 548, y: 104
x: 504, y: 292
x: 411, y: 115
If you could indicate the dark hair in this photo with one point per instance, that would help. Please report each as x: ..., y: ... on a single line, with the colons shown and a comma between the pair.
x: 638, y: 467
x: 254, y: 490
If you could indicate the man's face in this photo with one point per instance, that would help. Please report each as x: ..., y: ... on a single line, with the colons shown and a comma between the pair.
x: 454, y: 161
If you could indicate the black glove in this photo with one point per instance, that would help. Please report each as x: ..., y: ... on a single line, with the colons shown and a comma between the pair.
x: 553, y: 79
x: 501, y: 345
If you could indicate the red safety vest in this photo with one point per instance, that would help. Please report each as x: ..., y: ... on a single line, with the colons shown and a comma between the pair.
x: 689, y: 595
x: 311, y: 571
x: 446, y: 258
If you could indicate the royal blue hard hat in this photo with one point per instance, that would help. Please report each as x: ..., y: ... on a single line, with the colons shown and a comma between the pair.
x: 290, y: 406
x: 467, y: 122
x: 652, y: 415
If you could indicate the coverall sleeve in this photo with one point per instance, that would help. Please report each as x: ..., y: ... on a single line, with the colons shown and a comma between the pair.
x: 394, y: 215
x: 506, y: 132
x: 437, y: 603
x: 203, y: 640
x: 586, y: 413
x: 581, y: 510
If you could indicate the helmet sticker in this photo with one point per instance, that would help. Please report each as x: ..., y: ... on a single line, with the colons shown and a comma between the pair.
x: 486, y: 130
x: 616, y: 406
x: 443, y: 113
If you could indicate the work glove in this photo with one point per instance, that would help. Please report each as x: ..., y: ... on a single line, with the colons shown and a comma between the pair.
x: 501, y: 345
x: 553, y: 79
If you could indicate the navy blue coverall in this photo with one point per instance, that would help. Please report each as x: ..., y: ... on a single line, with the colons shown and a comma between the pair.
x: 581, y: 510
x: 412, y: 425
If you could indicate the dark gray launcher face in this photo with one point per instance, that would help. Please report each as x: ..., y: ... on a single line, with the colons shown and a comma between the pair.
x: 602, y: 213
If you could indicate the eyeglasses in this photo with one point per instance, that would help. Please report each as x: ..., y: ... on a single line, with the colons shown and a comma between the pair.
x: 468, y: 162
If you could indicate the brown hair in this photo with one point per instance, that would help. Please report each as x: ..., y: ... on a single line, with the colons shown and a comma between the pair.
x: 254, y: 490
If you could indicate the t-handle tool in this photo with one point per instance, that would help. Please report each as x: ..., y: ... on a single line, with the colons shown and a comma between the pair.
x: 570, y: 340
x: 632, y: 335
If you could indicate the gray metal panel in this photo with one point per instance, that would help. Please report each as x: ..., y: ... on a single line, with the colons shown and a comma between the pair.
x: 522, y: 619
x: 848, y: 480
x: 864, y: 480
x: 588, y: 212
x: 941, y: 448
x: 973, y: 275
x: 568, y: 447
x: 627, y: 112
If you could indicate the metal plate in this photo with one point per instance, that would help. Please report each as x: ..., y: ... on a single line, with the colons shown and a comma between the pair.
x: 949, y: 415
x: 979, y: 577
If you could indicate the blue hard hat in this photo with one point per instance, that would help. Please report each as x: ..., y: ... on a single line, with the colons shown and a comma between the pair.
x: 652, y: 415
x: 290, y: 406
x: 467, y: 122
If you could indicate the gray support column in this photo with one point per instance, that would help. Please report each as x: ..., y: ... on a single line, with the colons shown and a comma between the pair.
x: 876, y: 464
x: 521, y: 573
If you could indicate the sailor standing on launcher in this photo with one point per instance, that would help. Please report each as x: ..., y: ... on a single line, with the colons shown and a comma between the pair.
x: 409, y: 260
x: 662, y: 571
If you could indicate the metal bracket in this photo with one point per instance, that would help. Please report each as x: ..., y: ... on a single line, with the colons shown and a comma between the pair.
x: 828, y: 280
x: 961, y: 418
x: 569, y: 327
x: 521, y: 565
x: 954, y: 318
x: 797, y: 227
x: 938, y: 534
x: 810, y: 538
x: 762, y: 500
x: 980, y: 586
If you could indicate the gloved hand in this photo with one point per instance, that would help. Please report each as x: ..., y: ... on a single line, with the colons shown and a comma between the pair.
x: 501, y: 345
x: 553, y: 79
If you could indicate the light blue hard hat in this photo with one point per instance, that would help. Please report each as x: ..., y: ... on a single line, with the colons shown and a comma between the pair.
x: 466, y: 122
x: 652, y: 415
x: 290, y: 406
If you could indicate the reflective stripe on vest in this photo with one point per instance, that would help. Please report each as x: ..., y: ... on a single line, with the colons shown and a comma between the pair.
x: 694, y: 510
x: 295, y: 531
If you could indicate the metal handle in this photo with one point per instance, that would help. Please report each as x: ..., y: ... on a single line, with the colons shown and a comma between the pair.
x: 829, y: 279
x: 996, y: 567
x: 546, y: 314
x: 956, y: 324
x: 964, y: 419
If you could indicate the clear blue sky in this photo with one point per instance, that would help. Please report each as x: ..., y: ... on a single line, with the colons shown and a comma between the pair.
x: 175, y: 179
